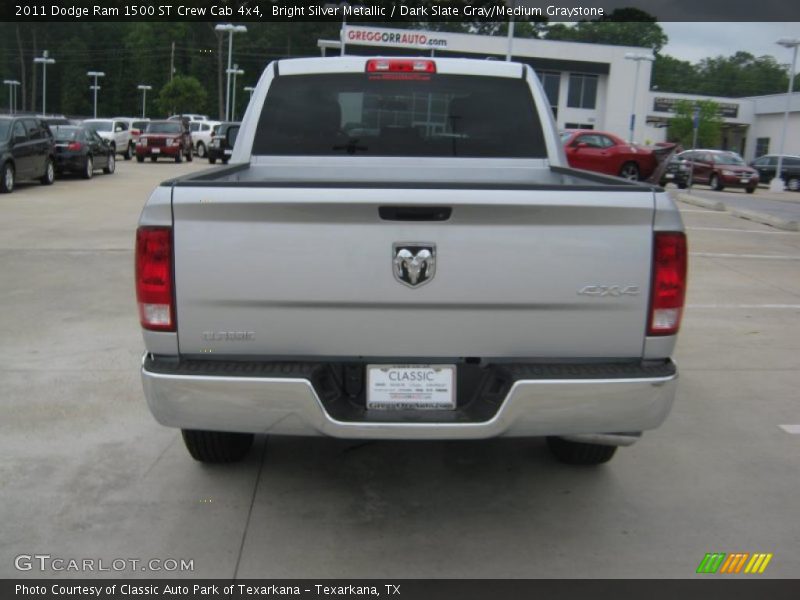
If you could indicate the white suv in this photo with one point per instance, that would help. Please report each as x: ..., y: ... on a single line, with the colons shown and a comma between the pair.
x: 202, y: 132
x: 115, y: 131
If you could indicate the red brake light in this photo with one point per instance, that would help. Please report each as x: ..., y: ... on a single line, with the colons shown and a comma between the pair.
x: 669, y: 283
x: 154, y: 290
x: 400, y: 65
x: 74, y: 146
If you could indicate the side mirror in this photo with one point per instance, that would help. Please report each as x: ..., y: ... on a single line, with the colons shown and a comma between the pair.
x: 231, y: 135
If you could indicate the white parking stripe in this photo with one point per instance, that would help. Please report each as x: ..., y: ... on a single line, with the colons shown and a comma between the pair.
x: 706, y: 212
x: 795, y: 429
x: 759, y: 256
x: 739, y: 230
x: 770, y: 306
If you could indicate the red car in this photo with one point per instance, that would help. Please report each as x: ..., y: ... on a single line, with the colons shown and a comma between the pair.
x: 606, y: 153
x: 165, y: 138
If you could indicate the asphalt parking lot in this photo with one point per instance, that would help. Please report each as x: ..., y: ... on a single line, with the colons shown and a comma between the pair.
x: 85, y: 472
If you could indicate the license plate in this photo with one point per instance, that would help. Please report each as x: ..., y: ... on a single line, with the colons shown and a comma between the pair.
x: 745, y: 180
x: 411, y: 387
x: 228, y: 152
x: 156, y: 151
x: 670, y: 176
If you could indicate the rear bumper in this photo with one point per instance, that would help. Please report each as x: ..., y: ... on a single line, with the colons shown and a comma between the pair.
x: 283, y: 399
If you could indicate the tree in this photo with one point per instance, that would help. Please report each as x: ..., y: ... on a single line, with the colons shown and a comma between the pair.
x: 673, y: 75
x: 709, y: 129
x: 183, y: 94
x: 623, y: 27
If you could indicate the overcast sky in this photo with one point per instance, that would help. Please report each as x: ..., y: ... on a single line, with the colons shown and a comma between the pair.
x: 695, y: 41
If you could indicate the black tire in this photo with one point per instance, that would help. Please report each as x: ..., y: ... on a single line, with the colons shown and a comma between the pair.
x: 128, y: 152
x: 793, y: 184
x: 114, y: 147
x: 88, y: 168
x: 682, y: 185
x: 224, y: 161
x: 111, y: 164
x: 8, y: 179
x: 578, y: 453
x: 715, y: 183
x: 139, y: 159
x: 750, y: 189
x: 201, y: 150
x: 217, y: 446
x: 630, y: 170
x: 189, y: 155
x: 49, y: 173
x: 179, y: 157
x: 153, y: 158
x: 212, y: 160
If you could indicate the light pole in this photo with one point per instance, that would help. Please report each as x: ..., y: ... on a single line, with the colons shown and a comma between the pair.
x: 231, y: 29
x: 44, y: 60
x: 95, y: 87
x: 12, y: 94
x: 777, y: 184
x: 511, y: 31
x: 144, y: 89
x: 234, y: 71
x: 638, y: 58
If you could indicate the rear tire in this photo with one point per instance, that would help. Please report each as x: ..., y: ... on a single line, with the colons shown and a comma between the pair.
x: 682, y: 186
x: 111, y: 165
x: 189, y: 155
x: 49, y: 173
x: 212, y: 160
x: 179, y: 157
x: 153, y: 158
x: 750, y: 190
x: 578, y: 453
x: 140, y: 159
x: 88, y: 168
x: 217, y: 446
x: 201, y: 150
x: 8, y: 179
x: 715, y: 183
x: 128, y: 152
x: 793, y: 184
x: 630, y: 170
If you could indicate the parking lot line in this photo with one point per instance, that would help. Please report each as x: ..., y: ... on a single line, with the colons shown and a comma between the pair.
x: 705, y: 212
x: 768, y: 306
x: 739, y: 230
x: 757, y: 256
x: 793, y: 429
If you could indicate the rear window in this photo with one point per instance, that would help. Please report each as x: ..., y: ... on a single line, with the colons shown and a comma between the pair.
x: 5, y: 127
x: 65, y: 134
x: 98, y: 125
x: 380, y: 115
x: 171, y: 127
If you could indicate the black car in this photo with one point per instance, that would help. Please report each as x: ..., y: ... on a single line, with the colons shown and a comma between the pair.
x: 220, y: 148
x: 26, y: 152
x: 80, y: 150
x: 767, y: 166
x: 677, y: 172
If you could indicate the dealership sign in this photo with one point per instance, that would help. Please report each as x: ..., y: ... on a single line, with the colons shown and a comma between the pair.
x: 726, y: 109
x: 398, y: 38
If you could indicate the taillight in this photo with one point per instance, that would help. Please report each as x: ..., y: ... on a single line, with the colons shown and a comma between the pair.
x: 74, y: 146
x: 154, y: 290
x: 400, y: 65
x: 669, y: 283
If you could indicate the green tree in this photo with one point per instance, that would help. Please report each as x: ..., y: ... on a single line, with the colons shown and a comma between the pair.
x: 183, y: 94
x: 709, y: 129
x: 673, y: 75
x: 623, y: 27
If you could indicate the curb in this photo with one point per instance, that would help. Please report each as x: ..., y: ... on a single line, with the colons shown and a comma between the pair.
x: 766, y: 219
x: 701, y: 202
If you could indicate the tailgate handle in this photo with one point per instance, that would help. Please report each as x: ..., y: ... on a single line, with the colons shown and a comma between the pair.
x: 414, y: 213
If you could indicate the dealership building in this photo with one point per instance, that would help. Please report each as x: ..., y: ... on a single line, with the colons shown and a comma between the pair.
x: 591, y: 86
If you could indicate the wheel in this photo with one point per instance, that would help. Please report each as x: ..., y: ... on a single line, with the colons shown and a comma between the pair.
x: 139, y: 159
x: 179, y: 157
x: 189, y: 156
x: 128, y: 152
x: 7, y: 181
x: 153, y: 158
x: 578, y: 453
x: 49, y: 173
x: 224, y: 161
x: 715, y: 183
x: 750, y: 189
x: 217, y: 446
x: 793, y: 184
x: 212, y: 160
x: 113, y: 147
x: 630, y: 170
x: 201, y: 150
x: 682, y: 185
x: 88, y: 168
x: 111, y: 166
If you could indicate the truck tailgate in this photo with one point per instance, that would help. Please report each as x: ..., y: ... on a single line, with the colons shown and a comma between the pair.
x: 308, y: 271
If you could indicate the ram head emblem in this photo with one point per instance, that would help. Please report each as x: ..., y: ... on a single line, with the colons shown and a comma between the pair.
x: 414, y: 264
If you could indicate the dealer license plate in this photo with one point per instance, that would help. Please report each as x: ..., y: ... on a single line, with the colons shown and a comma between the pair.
x: 745, y: 180
x: 156, y: 151
x: 228, y: 152
x: 411, y: 387
x: 669, y: 176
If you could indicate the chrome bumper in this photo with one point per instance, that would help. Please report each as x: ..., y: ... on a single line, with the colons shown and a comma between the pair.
x: 582, y: 409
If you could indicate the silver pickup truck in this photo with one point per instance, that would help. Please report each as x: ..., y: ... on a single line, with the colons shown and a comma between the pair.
x: 398, y: 251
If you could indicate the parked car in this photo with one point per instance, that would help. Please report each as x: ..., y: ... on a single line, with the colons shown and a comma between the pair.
x: 309, y: 299
x: 81, y: 150
x: 26, y: 152
x: 202, y: 132
x: 606, y: 153
x: 165, y: 138
x: 221, y: 148
x: 720, y: 169
x: 767, y: 166
x: 135, y: 125
x: 677, y: 172
x: 190, y: 116
x: 117, y: 132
